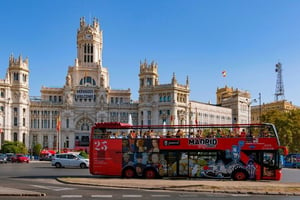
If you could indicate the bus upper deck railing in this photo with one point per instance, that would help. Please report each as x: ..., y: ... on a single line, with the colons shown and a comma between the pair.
x: 123, y: 130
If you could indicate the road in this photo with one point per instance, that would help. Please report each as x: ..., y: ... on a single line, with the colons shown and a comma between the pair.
x: 40, y: 177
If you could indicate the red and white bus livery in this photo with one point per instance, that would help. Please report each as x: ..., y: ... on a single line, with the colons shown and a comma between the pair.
x: 208, y: 151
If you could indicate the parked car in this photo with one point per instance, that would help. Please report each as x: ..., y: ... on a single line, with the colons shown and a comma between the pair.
x: 69, y: 160
x: 3, y: 158
x: 9, y: 156
x: 20, y: 158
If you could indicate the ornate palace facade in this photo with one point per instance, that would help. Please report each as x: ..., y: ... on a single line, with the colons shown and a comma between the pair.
x: 87, y: 97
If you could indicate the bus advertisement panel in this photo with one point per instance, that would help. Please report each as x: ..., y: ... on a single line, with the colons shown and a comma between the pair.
x: 218, y: 151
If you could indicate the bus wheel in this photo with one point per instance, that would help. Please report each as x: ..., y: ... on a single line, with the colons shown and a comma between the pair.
x: 129, y: 173
x: 150, y: 174
x: 240, y: 175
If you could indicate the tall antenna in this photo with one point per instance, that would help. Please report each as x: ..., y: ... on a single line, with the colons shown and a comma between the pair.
x: 279, y: 93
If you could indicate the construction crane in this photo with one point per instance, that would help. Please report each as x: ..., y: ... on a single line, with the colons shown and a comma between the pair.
x: 279, y: 93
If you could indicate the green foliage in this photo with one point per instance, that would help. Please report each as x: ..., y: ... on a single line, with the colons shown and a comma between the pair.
x: 287, y: 125
x: 84, y: 154
x: 13, y: 147
x: 37, y: 149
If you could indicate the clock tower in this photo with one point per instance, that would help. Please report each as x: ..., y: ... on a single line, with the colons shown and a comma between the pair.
x: 89, y: 44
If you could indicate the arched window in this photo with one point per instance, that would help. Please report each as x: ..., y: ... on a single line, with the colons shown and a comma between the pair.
x: 87, y: 79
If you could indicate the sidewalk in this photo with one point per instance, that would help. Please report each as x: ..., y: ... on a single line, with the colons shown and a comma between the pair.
x: 212, y: 186
x: 4, y: 191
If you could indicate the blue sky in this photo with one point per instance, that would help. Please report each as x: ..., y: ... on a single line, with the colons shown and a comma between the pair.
x: 194, y: 38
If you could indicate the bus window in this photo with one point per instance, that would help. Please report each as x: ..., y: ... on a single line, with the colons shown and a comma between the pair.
x: 268, y: 164
x: 269, y: 159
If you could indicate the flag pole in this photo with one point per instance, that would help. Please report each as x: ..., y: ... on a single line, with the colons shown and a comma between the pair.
x: 58, y: 124
x: 224, y: 74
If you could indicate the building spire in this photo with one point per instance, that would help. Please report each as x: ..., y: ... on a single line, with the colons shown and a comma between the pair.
x: 174, y: 81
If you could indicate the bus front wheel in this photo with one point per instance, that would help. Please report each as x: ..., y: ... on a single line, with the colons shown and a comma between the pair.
x: 129, y: 173
x: 240, y: 175
x: 150, y: 174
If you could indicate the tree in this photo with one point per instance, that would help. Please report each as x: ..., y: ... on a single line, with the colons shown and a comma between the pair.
x: 37, y: 149
x: 288, y: 127
x: 14, y: 147
x: 84, y: 154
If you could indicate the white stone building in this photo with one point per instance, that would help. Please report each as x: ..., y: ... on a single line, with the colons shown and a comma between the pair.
x: 87, y: 97
x: 14, y: 102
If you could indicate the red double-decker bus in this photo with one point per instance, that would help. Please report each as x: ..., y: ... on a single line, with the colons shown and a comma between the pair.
x: 233, y: 151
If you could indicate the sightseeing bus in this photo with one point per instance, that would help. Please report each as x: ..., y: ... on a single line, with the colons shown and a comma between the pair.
x: 232, y: 151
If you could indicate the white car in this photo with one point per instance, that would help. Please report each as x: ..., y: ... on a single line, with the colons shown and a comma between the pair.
x: 69, y: 160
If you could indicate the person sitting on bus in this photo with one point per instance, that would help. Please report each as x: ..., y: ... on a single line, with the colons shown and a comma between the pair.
x: 249, y: 137
x: 147, y: 134
x: 179, y: 134
x: 265, y: 133
x: 199, y: 134
x: 139, y: 134
x: 132, y: 135
x: 169, y: 135
x: 243, y: 133
x: 152, y: 134
x: 113, y: 135
x: 231, y: 134
x: 218, y: 134
x: 191, y: 135
x: 210, y: 134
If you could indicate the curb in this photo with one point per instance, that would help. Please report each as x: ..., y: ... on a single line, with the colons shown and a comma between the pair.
x: 185, y: 188
x: 4, y: 191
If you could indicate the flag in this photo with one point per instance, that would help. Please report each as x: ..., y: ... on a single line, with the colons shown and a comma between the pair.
x: 58, y: 123
x: 224, y: 73
x: 172, y: 119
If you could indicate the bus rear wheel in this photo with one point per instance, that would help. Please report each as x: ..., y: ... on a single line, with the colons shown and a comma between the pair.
x: 129, y: 173
x: 150, y: 174
x: 240, y: 175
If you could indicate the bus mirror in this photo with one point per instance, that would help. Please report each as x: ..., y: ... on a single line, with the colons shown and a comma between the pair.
x: 284, y: 149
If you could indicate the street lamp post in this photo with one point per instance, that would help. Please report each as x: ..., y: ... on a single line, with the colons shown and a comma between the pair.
x: 259, y: 97
x: 248, y: 103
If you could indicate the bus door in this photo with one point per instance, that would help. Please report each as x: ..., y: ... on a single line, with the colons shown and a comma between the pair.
x: 268, y: 165
x: 177, y: 164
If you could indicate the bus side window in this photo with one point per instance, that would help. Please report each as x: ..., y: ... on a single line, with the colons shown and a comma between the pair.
x: 269, y: 159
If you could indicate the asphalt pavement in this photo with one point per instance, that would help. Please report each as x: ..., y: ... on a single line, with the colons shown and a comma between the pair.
x: 191, y: 185
x: 188, y: 185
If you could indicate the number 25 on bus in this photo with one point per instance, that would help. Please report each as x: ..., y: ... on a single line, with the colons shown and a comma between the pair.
x: 232, y: 151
